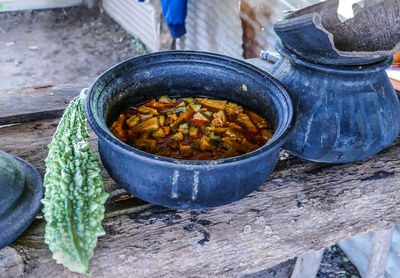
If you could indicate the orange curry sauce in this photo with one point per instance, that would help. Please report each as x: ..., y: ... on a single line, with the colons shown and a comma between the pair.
x: 192, y: 128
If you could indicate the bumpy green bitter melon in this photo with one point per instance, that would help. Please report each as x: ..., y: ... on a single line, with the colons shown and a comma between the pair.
x: 75, y: 196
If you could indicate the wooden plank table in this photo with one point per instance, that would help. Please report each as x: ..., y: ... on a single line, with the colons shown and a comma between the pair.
x: 303, y: 206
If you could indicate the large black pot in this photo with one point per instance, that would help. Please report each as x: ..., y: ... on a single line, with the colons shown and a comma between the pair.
x: 178, y: 183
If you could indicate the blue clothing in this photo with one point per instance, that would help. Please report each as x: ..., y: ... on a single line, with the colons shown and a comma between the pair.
x: 174, y: 12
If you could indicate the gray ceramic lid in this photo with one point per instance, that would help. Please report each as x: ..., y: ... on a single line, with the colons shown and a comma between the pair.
x: 21, y: 189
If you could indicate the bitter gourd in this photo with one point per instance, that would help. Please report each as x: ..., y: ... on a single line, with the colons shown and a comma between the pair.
x: 74, y: 198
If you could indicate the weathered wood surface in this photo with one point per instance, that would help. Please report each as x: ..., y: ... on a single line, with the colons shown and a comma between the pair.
x: 34, y: 103
x: 303, y: 206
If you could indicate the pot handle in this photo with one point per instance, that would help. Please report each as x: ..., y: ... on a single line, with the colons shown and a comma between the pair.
x: 266, y: 61
x: 270, y: 56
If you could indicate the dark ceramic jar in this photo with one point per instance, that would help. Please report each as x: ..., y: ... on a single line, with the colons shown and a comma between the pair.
x: 344, y: 113
x: 178, y: 183
x: 21, y: 190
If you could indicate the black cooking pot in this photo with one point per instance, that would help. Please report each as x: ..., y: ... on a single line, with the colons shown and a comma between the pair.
x: 180, y: 183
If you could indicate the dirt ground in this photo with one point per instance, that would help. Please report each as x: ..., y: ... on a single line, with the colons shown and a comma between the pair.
x: 76, y: 45
x: 60, y: 45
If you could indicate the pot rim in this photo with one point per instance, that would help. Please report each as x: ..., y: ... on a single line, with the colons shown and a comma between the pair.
x: 287, y: 126
x: 378, y: 66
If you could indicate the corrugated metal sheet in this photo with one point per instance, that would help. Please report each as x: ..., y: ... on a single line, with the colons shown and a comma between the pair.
x: 16, y: 5
x: 232, y: 27
x: 235, y: 27
x: 138, y: 18
x: 258, y: 18
x: 214, y: 26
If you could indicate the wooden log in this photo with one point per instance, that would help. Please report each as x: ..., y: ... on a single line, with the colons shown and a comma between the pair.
x: 11, y: 264
x: 28, y: 104
x: 381, y: 243
x: 303, y: 206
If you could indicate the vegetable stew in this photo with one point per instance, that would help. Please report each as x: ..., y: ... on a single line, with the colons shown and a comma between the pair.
x: 192, y: 128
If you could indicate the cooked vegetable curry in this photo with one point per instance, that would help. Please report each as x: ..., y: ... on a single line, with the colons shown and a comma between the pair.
x: 192, y: 128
